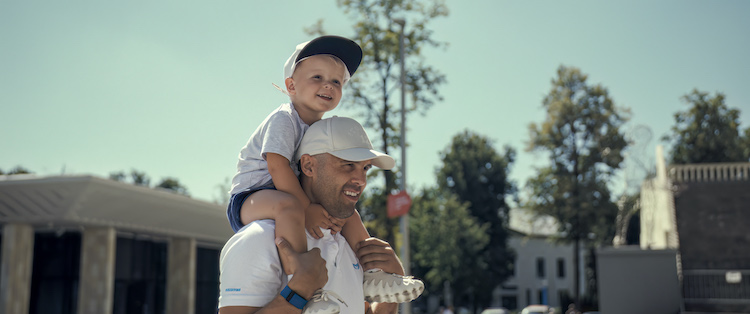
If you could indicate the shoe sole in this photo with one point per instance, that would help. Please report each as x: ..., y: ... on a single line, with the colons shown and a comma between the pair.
x: 403, y: 297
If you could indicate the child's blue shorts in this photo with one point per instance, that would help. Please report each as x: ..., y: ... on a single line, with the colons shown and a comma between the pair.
x: 235, y: 204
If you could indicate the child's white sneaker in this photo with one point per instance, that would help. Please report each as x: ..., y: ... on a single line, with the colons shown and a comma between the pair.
x: 322, y: 302
x: 380, y: 286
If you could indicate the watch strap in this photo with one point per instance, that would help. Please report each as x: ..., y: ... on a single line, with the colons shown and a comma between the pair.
x: 293, y: 298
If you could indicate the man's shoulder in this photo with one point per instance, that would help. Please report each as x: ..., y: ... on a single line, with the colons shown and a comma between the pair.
x: 255, y: 239
x: 258, y: 227
x: 256, y: 233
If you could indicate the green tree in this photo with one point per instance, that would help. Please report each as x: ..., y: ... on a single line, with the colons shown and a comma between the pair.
x: 375, y: 86
x: 707, y: 132
x: 581, y: 134
x: 174, y: 185
x: 140, y: 178
x: 445, y: 240
x: 478, y: 175
x: 118, y: 176
x: 17, y: 170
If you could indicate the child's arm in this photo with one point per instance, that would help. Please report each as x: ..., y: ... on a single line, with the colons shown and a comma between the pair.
x: 354, y: 230
x: 284, y: 179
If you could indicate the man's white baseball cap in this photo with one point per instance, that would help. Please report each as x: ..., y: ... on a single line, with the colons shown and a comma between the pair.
x: 343, y: 48
x: 344, y: 138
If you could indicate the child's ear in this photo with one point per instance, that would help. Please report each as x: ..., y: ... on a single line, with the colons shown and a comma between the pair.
x: 289, y: 82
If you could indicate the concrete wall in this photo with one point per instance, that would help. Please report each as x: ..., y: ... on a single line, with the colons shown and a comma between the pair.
x: 17, y: 261
x: 710, y: 216
x: 632, y: 280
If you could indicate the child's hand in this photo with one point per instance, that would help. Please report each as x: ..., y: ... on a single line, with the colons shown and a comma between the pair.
x: 317, y: 217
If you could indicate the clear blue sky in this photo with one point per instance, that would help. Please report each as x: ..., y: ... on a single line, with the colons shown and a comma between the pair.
x: 171, y: 89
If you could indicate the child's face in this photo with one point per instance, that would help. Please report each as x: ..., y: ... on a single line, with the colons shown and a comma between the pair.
x: 315, y: 87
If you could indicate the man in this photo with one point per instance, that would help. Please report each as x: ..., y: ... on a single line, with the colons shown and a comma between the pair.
x: 334, y: 157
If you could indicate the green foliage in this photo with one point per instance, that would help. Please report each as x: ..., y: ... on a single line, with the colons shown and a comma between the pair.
x: 581, y: 134
x: 708, y: 132
x: 142, y: 179
x: 118, y: 176
x: 174, y: 185
x: 17, y: 170
x: 373, y: 210
x: 445, y: 242
x: 377, y: 82
x: 474, y: 172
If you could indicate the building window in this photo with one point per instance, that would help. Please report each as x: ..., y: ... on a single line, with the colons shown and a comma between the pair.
x: 509, y: 302
x: 563, y: 297
x: 528, y: 296
x: 207, y: 280
x: 140, y: 276
x: 540, y: 267
x: 54, y: 279
x: 560, y: 268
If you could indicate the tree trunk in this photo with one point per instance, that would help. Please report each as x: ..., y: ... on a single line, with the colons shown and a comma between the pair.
x: 577, y: 272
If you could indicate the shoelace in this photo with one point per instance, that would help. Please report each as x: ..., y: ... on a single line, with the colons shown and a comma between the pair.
x: 324, y: 295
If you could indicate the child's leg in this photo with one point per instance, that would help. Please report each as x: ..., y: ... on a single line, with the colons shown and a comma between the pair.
x: 354, y: 230
x: 379, y: 286
x: 282, y: 207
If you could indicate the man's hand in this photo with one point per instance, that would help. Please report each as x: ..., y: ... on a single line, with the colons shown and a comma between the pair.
x: 310, y: 269
x: 376, y: 253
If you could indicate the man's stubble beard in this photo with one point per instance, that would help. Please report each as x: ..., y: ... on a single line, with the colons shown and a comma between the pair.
x: 330, y: 198
x: 328, y: 194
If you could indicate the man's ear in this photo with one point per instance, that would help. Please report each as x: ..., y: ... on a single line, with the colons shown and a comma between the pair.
x: 289, y: 82
x: 307, y: 165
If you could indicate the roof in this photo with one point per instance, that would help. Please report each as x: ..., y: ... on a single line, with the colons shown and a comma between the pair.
x: 527, y: 223
x: 75, y: 201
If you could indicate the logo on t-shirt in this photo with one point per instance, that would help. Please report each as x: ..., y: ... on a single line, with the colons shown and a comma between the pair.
x: 356, y: 266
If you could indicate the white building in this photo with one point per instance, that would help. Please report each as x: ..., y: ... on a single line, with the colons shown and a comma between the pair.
x: 543, y: 269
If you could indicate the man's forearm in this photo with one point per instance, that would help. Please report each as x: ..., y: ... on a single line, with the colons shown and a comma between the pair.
x: 277, y: 305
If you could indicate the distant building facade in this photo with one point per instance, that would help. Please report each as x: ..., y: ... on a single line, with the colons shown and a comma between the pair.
x: 81, y: 244
x: 544, y: 270
x: 702, y: 211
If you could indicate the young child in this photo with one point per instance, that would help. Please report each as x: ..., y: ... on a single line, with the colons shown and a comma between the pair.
x: 266, y: 184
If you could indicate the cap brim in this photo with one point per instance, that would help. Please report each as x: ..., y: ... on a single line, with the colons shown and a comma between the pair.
x: 379, y: 159
x: 343, y: 48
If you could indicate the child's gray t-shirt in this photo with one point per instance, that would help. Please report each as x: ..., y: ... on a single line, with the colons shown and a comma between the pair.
x: 280, y: 133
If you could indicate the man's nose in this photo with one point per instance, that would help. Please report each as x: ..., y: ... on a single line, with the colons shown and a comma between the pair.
x: 360, y: 178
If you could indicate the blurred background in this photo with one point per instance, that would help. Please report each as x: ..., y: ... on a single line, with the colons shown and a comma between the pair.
x: 538, y: 134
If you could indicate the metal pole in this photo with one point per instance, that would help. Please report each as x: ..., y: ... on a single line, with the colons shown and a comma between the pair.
x: 405, y: 258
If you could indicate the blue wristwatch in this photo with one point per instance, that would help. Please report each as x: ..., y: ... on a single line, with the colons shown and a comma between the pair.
x: 293, y: 298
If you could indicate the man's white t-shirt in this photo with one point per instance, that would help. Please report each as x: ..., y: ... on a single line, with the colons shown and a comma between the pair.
x: 251, y: 273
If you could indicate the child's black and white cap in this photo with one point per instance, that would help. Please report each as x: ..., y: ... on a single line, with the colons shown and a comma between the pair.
x: 343, y: 48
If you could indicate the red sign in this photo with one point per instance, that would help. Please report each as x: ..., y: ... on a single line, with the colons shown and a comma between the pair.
x: 398, y: 204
